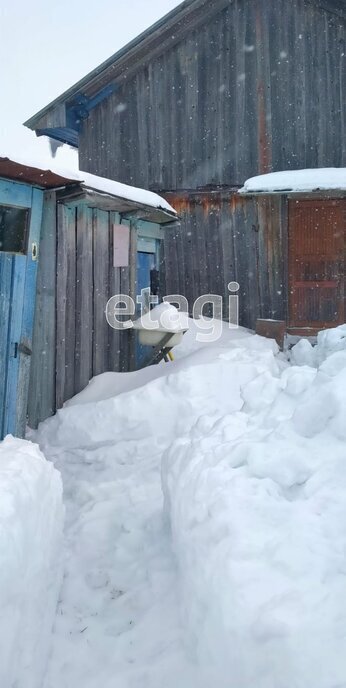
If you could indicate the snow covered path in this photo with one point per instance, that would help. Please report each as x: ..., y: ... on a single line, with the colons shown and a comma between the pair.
x: 118, y: 621
x: 119, y: 618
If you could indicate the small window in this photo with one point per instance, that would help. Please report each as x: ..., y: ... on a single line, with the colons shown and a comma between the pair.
x: 14, y: 224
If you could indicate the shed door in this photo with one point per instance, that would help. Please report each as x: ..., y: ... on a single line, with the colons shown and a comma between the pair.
x: 316, y: 263
x: 146, y: 263
x: 20, y: 225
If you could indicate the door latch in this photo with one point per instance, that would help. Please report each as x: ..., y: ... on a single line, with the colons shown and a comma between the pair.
x: 21, y: 349
x: 34, y: 251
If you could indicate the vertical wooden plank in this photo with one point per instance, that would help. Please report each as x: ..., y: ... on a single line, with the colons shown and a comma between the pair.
x: 61, y: 284
x: 132, y: 291
x: 41, y: 401
x: 29, y: 301
x: 161, y: 263
x: 114, y: 289
x: 84, y: 298
x: 15, y: 329
x: 169, y: 239
x: 65, y: 303
x: 101, y: 260
x: 6, y: 271
x: 189, y: 225
x: 227, y: 250
x: 133, y: 260
x: 283, y: 240
x: 249, y: 221
x: 124, y: 335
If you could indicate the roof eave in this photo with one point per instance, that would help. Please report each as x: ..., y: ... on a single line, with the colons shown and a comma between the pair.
x: 126, y: 207
x: 119, y: 66
x: 66, y: 113
x: 87, y: 80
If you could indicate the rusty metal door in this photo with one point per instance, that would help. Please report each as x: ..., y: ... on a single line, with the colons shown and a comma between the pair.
x: 316, y: 263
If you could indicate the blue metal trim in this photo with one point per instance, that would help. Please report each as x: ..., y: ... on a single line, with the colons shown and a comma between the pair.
x: 81, y: 105
x: 77, y: 111
x: 63, y: 134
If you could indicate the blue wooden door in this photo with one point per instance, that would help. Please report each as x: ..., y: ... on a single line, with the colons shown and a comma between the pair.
x: 20, y: 225
x: 146, y: 262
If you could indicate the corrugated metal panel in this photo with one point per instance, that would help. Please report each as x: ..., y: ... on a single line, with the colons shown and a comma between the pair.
x: 9, y: 169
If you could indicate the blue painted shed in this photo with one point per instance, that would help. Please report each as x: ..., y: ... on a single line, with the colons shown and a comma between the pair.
x: 21, y: 205
x: 58, y: 268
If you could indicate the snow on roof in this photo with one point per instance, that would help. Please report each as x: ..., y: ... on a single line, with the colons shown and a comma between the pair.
x: 327, y: 178
x: 130, y: 193
x: 100, y: 184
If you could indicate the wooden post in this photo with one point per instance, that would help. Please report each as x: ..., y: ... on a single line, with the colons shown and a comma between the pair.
x: 133, y: 289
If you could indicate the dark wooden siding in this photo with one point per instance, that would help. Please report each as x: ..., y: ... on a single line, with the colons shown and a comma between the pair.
x: 86, y: 345
x: 261, y: 86
x: 224, y: 238
x: 72, y: 341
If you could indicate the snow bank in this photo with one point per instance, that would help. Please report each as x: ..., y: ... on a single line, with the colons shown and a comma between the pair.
x: 118, y: 621
x: 189, y: 353
x: 297, y: 180
x: 256, y: 503
x: 329, y: 342
x: 168, y: 404
x: 254, y: 479
x: 31, y: 517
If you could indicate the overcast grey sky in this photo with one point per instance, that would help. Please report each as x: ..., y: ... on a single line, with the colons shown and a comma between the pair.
x: 48, y: 45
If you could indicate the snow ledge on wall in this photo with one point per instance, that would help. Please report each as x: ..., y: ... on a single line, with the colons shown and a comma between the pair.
x: 328, y: 178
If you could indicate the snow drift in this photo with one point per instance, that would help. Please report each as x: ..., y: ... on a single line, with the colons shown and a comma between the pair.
x: 254, y: 477
x: 31, y: 521
x: 118, y: 622
x: 256, y: 502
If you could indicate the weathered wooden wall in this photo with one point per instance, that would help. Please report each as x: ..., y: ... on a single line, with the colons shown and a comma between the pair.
x: 223, y: 238
x: 260, y: 86
x: 41, y: 400
x: 72, y: 340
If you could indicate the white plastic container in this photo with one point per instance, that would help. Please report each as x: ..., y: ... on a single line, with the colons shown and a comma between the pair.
x: 154, y: 337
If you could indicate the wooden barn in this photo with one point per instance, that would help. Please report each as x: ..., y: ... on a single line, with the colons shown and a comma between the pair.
x: 67, y: 244
x: 216, y: 92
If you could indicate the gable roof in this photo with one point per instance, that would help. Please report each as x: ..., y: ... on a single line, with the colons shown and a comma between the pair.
x: 61, y: 119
